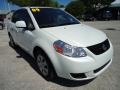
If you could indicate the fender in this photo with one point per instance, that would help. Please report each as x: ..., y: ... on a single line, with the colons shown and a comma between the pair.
x: 47, y: 46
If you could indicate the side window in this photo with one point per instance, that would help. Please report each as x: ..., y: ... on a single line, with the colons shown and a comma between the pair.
x: 22, y: 14
x: 15, y: 17
x: 26, y: 17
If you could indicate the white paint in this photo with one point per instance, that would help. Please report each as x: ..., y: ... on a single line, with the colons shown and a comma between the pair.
x: 116, y: 2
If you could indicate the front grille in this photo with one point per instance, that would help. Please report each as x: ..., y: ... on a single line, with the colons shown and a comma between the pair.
x: 100, y: 48
x: 97, y: 70
x: 78, y: 75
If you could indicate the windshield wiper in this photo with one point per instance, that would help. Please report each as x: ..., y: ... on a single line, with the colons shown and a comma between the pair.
x: 47, y: 25
x: 67, y: 24
x: 53, y: 25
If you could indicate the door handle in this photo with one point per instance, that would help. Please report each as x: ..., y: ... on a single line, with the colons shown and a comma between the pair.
x: 14, y: 30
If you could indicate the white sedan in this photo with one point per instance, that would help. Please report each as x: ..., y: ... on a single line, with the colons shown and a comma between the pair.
x: 60, y: 44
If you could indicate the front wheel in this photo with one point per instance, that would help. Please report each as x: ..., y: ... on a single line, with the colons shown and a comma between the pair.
x: 45, y: 66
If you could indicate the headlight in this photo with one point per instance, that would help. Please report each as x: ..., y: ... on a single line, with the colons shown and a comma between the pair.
x: 69, y: 50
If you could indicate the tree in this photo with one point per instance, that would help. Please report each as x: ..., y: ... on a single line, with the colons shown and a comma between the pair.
x: 79, y: 7
x: 49, y: 3
x: 96, y: 4
x: 61, y: 6
x: 76, y: 8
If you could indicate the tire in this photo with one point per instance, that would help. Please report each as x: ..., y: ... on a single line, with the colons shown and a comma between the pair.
x: 1, y: 27
x: 11, y: 42
x: 45, y: 66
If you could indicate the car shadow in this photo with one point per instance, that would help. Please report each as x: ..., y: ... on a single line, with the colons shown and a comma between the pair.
x: 70, y: 83
x: 57, y: 80
x: 112, y: 29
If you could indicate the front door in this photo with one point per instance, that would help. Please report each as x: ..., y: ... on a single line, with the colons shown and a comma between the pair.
x: 25, y: 36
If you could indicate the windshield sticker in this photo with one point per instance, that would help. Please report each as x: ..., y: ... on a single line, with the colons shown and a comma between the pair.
x: 35, y: 10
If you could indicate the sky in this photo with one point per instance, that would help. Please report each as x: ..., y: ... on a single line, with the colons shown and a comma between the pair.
x: 4, y: 4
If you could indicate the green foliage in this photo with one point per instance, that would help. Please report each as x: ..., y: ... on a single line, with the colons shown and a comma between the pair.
x: 79, y: 7
x: 49, y: 3
x: 76, y: 8
x: 61, y: 6
x: 96, y: 3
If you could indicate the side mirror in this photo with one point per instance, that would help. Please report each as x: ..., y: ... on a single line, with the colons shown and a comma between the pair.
x: 20, y: 24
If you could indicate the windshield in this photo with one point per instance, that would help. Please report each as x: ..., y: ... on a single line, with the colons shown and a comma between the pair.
x: 50, y: 17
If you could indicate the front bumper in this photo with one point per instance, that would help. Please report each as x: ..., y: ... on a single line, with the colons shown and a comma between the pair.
x: 87, y: 67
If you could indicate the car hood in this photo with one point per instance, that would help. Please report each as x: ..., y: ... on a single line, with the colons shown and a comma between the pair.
x: 77, y: 35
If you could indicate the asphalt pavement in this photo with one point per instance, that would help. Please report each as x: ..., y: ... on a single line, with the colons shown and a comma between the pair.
x: 18, y: 70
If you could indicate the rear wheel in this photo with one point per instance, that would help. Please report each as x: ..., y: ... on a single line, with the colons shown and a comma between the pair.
x: 1, y: 26
x: 44, y: 65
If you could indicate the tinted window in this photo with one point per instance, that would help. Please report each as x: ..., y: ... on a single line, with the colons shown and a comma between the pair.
x: 22, y: 15
x: 15, y: 17
x: 49, y: 17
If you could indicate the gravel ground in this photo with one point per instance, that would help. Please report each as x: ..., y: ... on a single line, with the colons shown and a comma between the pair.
x: 18, y: 70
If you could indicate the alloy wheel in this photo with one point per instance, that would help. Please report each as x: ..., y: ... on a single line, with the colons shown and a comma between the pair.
x: 42, y: 64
